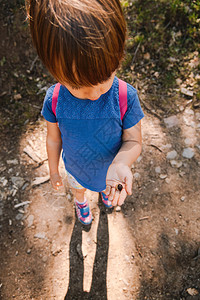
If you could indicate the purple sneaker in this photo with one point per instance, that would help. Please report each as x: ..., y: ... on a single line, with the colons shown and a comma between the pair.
x: 83, y: 212
x: 105, y: 200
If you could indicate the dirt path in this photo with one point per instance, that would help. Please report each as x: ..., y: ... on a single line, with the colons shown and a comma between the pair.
x: 147, y: 250
x: 150, y: 249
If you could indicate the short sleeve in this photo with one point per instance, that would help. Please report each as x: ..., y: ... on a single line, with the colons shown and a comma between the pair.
x: 47, y: 112
x: 134, y: 111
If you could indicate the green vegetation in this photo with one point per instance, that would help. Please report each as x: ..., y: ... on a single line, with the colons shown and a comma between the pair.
x: 163, y: 43
x: 169, y: 26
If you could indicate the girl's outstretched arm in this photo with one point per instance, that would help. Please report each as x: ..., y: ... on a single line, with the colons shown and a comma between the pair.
x: 119, y: 171
x: 131, y: 146
x: 54, y: 146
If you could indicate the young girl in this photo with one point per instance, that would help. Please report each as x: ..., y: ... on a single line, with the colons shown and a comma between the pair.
x: 81, y: 42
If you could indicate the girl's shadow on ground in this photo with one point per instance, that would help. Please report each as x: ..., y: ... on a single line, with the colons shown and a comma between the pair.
x: 98, y: 287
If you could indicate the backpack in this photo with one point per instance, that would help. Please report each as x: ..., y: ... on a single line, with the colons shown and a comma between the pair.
x: 122, y: 97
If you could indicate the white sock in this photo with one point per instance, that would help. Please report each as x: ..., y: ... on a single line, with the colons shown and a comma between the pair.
x: 81, y: 203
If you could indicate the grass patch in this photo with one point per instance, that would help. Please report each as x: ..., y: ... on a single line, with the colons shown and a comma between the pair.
x: 163, y: 36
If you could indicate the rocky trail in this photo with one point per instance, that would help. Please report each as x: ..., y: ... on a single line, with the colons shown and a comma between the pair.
x: 147, y: 249
x: 150, y: 247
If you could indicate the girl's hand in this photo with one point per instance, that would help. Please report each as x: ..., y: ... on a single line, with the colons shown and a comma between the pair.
x: 56, y: 181
x: 118, y: 173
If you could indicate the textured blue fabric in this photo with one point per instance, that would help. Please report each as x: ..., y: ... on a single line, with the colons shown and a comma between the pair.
x: 91, y: 131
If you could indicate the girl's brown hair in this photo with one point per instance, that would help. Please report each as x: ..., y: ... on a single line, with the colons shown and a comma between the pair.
x: 81, y: 42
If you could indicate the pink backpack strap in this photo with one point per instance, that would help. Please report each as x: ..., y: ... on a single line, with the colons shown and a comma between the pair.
x: 55, y: 97
x: 122, y: 97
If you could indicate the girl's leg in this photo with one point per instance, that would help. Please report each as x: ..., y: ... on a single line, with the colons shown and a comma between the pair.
x: 82, y: 207
x: 78, y: 194
x: 81, y: 204
x: 77, y: 189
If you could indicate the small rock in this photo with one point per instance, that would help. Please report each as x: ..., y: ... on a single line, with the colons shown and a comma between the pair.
x: 22, y: 204
x: 18, y: 181
x: 167, y: 180
x: 40, y: 180
x: 79, y: 251
x: 14, y: 191
x: 183, y: 198
x: 55, y: 249
x: 182, y: 174
x: 2, y: 169
x: 69, y: 197
x: 30, y: 220
x: 178, y: 81
x: 188, y: 153
x: 19, y: 216
x: 4, y: 195
x: 156, y: 74
x: 187, y: 92
x: 188, y: 141
x: 167, y: 146
x: 176, y: 164
x: 172, y: 59
x: 163, y: 176
x: 12, y: 162
x: 42, y: 90
x: 189, y: 111
x: 28, y: 251
x: 172, y: 154
x: 179, y: 164
x: 4, y: 181
x: 118, y: 209
x: 45, y: 258
x: 176, y: 231
x: 26, y: 122
x: 158, y: 169
x: 17, y: 97
x: 31, y: 153
x: 188, y: 122
x: 40, y: 235
x: 171, y: 121
x: 147, y: 56
x: 181, y: 108
x: 25, y: 186
x: 136, y: 175
x: 173, y: 163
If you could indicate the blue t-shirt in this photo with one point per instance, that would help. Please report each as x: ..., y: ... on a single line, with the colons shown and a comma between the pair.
x: 91, y: 131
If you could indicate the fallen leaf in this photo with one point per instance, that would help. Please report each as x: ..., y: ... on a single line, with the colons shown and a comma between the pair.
x: 147, y: 56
